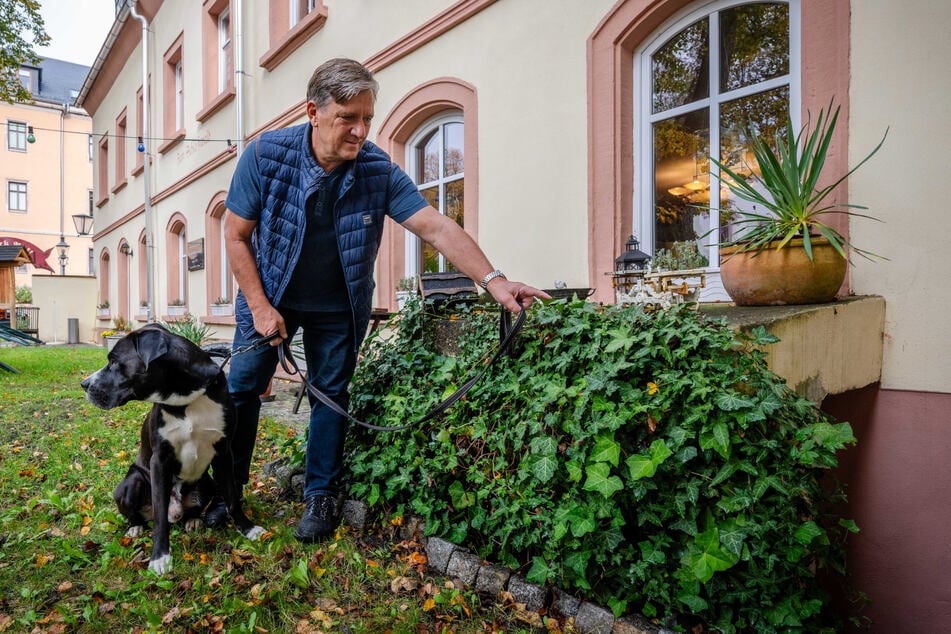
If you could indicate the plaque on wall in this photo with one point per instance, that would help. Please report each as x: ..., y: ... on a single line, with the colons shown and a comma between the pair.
x: 196, y: 254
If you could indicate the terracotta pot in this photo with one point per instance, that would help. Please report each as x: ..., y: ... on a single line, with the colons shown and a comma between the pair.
x: 785, y: 276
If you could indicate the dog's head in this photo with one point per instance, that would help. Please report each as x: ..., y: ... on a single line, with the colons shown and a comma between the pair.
x: 151, y: 364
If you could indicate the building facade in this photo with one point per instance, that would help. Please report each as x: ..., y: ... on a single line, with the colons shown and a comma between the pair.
x: 46, y: 166
x: 552, y: 131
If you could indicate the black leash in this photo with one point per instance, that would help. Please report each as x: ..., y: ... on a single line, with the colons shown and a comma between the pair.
x: 507, y: 332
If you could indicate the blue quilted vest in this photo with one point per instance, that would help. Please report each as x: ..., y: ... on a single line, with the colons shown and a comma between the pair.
x: 288, y: 178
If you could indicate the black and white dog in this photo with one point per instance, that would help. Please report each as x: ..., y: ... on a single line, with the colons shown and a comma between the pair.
x: 187, y: 430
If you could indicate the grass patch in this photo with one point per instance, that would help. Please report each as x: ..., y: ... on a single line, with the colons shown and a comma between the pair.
x: 65, y: 564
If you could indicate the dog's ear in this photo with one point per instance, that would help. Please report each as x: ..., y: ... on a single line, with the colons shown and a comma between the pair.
x: 150, y: 345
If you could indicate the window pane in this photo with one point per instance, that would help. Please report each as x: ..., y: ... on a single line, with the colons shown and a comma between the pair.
x: 754, y: 44
x: 680, y: 69
x: 455, y: 206
x: 766, y: 112
x: 454, y: 162
x: 427, y: 158
x: 681, y: 177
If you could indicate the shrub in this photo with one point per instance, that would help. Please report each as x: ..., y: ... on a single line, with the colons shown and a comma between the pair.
x: 23, y: 295
x: 647, y: 461
x: 187, y: 327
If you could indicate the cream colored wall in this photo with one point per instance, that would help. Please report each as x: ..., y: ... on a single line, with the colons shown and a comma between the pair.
x: 532, y: 105
x: 900, y: 81
x: 533, y: 219
x: 60, y: 299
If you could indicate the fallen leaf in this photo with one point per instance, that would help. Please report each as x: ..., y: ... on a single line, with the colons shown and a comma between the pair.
x: 66, y: 586
x: 170, y: 616
x: 403, y: 584
x: 42, y: 560
x: 106, y: 607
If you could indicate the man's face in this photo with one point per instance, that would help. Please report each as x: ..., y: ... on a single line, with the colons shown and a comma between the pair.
x: 340, y: 129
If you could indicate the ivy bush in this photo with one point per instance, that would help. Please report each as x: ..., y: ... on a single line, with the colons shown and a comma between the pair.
x: 646, y: 461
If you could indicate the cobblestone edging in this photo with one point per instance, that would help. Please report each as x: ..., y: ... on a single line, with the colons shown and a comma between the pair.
x: 450, y: 560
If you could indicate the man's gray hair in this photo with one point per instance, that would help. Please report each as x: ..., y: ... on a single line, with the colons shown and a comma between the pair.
x: 339, y: 80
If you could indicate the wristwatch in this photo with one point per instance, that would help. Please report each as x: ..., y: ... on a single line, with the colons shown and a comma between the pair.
x: 491, y: 276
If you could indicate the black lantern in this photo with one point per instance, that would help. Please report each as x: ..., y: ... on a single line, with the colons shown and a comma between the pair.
x: 632, y: 259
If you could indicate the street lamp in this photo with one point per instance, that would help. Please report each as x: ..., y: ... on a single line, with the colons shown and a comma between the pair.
x: 83, y: 224
x: 63, y: 249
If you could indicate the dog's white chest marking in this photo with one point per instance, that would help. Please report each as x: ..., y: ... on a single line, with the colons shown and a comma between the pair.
x: 194, y: 435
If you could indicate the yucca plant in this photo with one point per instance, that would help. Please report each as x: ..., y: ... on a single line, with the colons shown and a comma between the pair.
x: 795, y: 207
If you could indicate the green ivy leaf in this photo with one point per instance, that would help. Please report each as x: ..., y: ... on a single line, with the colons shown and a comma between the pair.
x: 808, y: 532
x: 606, y: 450
x: 539, y: 572
x: 544, y: 468
x: 460, y: 497
x: 599, y: 479
x: 640, y: 466
x: 730, y: 401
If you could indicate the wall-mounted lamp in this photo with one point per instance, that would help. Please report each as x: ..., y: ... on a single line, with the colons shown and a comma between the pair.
x: 30, y: 137
x: 125, y: 249
x: 83, y: 223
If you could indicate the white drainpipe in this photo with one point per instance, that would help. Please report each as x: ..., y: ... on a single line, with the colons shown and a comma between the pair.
x: 239, y: 75
x: 149, y: 244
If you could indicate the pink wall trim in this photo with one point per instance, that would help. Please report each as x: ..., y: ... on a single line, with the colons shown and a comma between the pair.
x: 420, y: 104
x: 427, y: 32
x: 899, y: 484
x: 825, y: 72
x: 283, y: 40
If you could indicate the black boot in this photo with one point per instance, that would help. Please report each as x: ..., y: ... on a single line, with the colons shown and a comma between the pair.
x: 320, y: 518
x: 217, y: 514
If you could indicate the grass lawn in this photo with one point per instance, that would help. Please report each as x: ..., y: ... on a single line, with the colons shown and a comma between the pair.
x: 65, y: 565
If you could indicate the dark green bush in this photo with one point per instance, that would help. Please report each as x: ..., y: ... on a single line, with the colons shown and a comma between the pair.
x: 646, y: 461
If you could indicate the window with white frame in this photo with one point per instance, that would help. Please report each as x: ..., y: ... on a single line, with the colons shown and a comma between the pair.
x: 16, y: 196
x: 225, y: 56
x: 700, y: 82
x: 16, y: 136
x: 436, y: 162
x: 299, y: 9
x: 179, y: 97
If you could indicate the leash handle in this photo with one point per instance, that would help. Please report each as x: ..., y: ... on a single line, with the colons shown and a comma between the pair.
x: 507, y: 333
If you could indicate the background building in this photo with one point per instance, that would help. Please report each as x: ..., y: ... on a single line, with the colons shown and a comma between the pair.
x: 46, y: 166
x: 531, y: 123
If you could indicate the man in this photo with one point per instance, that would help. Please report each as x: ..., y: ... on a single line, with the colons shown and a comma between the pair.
x: 307, y: 206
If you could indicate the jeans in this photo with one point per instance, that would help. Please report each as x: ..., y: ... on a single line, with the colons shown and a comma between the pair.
x: 331, y: 359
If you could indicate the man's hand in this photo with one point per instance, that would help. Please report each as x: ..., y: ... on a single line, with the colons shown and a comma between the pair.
x: 267, y: 320
x: 514, y: 296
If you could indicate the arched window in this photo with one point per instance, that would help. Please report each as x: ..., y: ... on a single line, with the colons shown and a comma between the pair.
x: 104, y: 276
x: 218, y: 280
x: 700, y: 81
x: 123, y: 280
x: 176, y: 259
x: 436, y: 161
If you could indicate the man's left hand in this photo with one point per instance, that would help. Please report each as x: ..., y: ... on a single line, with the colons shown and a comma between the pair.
x: 513, y: 295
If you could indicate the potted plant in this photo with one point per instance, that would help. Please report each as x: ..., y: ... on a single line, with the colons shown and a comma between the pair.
x: 784, y: 251
x: 143, y: 307
x: 120, y: 329
x: 679, y: 271
x: 405, y: 288
x: 176, y: 308
x: 222, y: 306
x: 102, y: 310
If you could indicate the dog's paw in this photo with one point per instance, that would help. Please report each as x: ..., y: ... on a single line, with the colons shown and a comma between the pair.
x: 161, y: 565
x: 135, y: 531
x: 254, y: 533
x: 193, y: 524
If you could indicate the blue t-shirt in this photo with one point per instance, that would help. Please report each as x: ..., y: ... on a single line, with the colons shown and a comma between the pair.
x: 317, y: 283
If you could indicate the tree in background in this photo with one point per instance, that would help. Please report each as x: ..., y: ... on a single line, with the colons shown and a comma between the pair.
x: 20, y: 22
